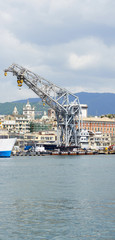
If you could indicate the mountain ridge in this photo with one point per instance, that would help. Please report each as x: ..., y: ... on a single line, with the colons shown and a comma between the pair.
x: 98, y: 103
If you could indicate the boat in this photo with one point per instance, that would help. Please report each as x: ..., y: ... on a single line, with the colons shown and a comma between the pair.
x: 6, y: 146
x: 72, y: 153
x: 81, y: 153
x: 64, y: 153
x: 55, y: 153
x: 40, y: 148
x: 89, y: 152
x: 84, y: 139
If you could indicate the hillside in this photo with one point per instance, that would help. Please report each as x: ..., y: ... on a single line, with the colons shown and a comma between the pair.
x: 8, y: 107
x: 98, y: 104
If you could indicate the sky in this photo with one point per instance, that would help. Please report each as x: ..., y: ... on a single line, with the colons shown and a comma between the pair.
x: 68, y: 42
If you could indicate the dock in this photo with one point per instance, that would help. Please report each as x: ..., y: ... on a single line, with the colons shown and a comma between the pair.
x: 61, y: 153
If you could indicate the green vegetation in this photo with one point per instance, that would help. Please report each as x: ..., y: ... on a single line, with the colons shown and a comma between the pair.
x: 109, y: 116
x: 8, y: 107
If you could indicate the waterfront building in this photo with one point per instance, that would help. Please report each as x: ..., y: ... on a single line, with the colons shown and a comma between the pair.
x: 99, y: 140
x: 101, y: 129
x: 29, y: 111
x: 20, y: 139
x: 22, y: 124
x: 4, y: 133
x: 41, y: 137
x: 97, y: 124
x: 113, y: 140
x: 45, y: 123
x: 84, y: 139
x: 95, y: 140
x: 9, y: 123
x: 84, y: 110
x: 16, y: 124
x: 1, y: 121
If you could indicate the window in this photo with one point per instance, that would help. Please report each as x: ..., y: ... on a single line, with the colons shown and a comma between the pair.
x: 47, y: 138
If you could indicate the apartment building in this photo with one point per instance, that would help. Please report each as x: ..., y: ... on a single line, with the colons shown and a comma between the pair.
x: 17, y: 124
x: 99, y: 140
x: 96, y: 124
x: 41, y: 137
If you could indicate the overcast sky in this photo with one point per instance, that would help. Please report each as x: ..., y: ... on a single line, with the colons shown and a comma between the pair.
x: 68, y: 42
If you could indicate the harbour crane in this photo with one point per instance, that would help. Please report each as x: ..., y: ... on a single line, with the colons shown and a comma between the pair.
x: 66, y: 104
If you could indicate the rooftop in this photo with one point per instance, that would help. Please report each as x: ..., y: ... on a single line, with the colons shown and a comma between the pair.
x: 99, y: 119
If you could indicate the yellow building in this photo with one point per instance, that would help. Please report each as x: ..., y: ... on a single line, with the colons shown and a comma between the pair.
x: 16, y: 124
x: 41, y: 137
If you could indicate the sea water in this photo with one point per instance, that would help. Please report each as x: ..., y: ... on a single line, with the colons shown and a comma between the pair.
x: 57, y: 197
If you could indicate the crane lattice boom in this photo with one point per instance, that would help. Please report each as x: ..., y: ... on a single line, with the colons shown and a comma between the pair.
x: 65, y: 104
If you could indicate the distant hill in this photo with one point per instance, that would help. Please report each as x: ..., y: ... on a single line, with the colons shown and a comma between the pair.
x: 8, y: 107
x: 31, y: 100
x: 98, y: 104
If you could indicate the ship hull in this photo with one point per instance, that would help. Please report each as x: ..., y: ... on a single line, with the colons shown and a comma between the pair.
x: 5, y: 154
x: 6, y: 146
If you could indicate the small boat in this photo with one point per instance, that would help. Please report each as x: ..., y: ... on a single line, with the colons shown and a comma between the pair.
x: 64, y: 153
x: 111, y: 152
x: 40, y: 148
x: 72, y: 153
x: 6, y: 146
x: 88, y: 152
x: 81, y: 153
x: 55, y: 153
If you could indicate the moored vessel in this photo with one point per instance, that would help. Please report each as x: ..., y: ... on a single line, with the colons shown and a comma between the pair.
x: 64, y: 153
x: 72, y: 153
x: 6, y: 146
x: 55, y: 153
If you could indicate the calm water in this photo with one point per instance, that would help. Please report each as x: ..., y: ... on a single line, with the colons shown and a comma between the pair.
x: 53, y: 197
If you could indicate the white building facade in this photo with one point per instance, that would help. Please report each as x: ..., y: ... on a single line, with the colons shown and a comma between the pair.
x: 29, y: 111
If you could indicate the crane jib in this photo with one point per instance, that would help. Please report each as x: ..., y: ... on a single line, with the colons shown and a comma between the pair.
x: 66, y: 104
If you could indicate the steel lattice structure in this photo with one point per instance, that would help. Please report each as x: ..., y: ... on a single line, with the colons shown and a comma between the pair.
x: 66, y: 105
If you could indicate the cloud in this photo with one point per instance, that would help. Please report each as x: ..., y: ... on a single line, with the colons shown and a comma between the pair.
x: 8, y: 95
x: 50, y: 22
x: 82, y: 62
x: 69, y: 42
